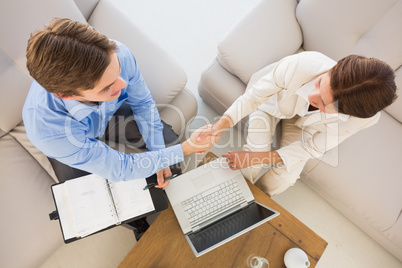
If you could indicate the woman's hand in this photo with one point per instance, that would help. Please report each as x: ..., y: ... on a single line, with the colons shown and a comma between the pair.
x: 243, y: 159
x: 217, y: 129
x: 199, y: 146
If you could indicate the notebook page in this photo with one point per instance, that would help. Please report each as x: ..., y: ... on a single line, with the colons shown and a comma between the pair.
x: 90, y: 204
x: 130, y: 198
x: 64, y: 212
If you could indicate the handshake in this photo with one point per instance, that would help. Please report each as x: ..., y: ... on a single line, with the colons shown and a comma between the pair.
x: 205, y: 137
x: 200, y: 141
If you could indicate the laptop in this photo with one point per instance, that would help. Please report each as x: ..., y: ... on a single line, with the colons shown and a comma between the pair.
x: 213, y: 205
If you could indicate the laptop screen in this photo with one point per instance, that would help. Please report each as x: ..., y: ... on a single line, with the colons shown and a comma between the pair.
x: 229, y: 227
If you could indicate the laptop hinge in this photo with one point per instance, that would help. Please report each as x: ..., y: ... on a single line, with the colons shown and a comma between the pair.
x: 196, y: 229
x: 243, y: 205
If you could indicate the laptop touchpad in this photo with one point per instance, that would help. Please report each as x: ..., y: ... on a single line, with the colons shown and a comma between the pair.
x: 203, y: 180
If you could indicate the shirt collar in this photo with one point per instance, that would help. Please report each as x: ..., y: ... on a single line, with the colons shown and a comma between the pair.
x: 305, y: 89
x: 340, y: 116
x: 79, y: 110
x: 303, y: 92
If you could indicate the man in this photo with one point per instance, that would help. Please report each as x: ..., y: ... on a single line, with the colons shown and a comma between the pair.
x: 320, y: 103
x: 82, y: 81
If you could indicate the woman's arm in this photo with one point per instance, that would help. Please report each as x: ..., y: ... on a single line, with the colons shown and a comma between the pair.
x: 243, y: 159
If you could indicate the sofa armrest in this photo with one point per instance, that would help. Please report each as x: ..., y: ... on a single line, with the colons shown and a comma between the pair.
x: 163, y: 75
x: 264, y: 35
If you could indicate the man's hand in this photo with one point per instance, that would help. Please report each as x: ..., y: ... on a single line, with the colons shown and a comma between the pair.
x: 217, y: 129
x: 161, y: 175
x: 194, y: 145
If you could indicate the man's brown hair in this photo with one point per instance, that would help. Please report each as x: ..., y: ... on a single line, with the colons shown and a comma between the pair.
x: 362, y: 86
x: 68, y: 56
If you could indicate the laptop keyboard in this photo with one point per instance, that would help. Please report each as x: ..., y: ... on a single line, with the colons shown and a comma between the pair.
x: 213, y: 202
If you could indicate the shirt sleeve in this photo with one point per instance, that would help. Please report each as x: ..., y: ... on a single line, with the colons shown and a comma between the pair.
x: 141, y: 102
x: 94, y: 156
x: 276, y: 78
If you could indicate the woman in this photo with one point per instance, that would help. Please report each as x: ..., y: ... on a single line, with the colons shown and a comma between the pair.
x: 320, y: 103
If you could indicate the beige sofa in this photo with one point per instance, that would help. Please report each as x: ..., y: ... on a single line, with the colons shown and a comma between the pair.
x: 363, y: 177
x: 28, y: 237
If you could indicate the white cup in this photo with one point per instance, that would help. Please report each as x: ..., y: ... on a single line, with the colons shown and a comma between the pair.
x: 296, y: 258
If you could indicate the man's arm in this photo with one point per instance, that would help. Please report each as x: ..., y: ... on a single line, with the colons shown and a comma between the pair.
x: 144, y: 108
x: 96, y: 157
x: 140, y: 100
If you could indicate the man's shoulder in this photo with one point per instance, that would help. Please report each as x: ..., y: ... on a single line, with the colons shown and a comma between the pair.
x: 122, y: 47
x: 126, y: 57
x: 36, y: 95
x: 123, y: 51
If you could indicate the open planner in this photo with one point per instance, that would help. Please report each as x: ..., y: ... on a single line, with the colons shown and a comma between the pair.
x: 90, y: 204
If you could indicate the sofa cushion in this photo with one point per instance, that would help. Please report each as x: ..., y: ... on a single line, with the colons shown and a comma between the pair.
x: 14, y: 85
x: 180, y: 112
x: 384, y: 39
x: 395, y: 109
x: 15, y: 31
x: 394, y: 235
x: 240, y: 49
x: 28, y: 237
x: 163, y: 75
x: 324, y: 31
x: 370, y: 192
x: 219, y: 88
x: 19, y: 134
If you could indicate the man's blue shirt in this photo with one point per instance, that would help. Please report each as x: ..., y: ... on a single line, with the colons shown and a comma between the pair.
x: 67, y: 130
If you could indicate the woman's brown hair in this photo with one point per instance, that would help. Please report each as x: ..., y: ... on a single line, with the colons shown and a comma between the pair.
x: 362, y: 86
x: 68, y: 56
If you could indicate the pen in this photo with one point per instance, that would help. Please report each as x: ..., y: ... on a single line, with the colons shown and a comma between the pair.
x: 153, y: 184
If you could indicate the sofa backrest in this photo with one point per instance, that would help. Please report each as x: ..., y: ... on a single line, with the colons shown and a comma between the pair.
x: 15, y: 31
x: 267, y: 33
x: 86, y: 7
x: 18, y: 18
x: 370, y: 28
x: 338, y: 28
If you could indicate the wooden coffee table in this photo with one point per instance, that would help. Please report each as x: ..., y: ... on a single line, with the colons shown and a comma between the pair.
x: 164, y: 244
